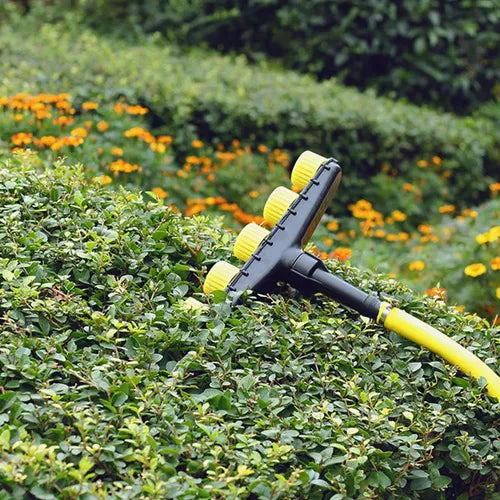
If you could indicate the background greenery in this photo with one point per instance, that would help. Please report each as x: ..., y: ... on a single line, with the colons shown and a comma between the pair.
x: 109, y: 387
x: 429, y: 51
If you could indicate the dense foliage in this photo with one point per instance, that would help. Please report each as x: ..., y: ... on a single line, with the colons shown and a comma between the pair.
x: 445, y: 53
x: 217, y: 99
x: 110, y: 387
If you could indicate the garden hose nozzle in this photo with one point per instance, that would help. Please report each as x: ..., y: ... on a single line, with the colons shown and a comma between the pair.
x: 278, y: 256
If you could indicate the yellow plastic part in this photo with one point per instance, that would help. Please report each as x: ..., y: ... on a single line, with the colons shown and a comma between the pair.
x: 219, y: 277
x: 277, y: 204
x: 248, y: 240
x: 305, y: 167
x: 413, y: 329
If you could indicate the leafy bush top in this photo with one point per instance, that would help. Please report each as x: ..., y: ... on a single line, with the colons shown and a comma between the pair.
x: 109, y: 387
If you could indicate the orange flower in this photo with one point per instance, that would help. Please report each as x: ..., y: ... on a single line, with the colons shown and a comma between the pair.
x: 436, y: 292
x: 422, y: 163
x: 45, y: 141
x: 398, y: 216
x: 342, y: 253
x: 408, y: 187
x: 63, y: 120
x: 124, y: 166
x: 495, y: 188
x: 79, y: 132
x: 136, y: 110
x: 103, y: 180
x: 119, y: 108
x: 417, y: 265
x: 495, y: 264
x: 333, y: 225
x: 469, y: 213
x: 425, y: 228
x: 89, y: 105
x: 102, y: 126
x: 437, y: 160
x: 447, y: 209
x: 197, y: 144
x: 253, y: 194
x: 475, y: 270
x: 116, y: 151
x: 158, y: 147
x: 261, y: 148
x: 164, y: 139
x: 328, y: 241
x: 22, y: 138
x: 161, y: 193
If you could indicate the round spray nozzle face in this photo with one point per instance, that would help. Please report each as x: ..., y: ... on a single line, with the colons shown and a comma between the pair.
x: 305, y: 167
x: 277, y: 204
x: 219, y: 277
x: 248, y: 240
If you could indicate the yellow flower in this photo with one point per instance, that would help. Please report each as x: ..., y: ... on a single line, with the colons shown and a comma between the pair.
x: 475, y: 270
x: 417, y: 265
x: 447, y: 209
x: 161, y: 193
x: 495, y: 264
x: 328, y: 241
x: 103, y: 180
x: 87, y: 106
x: 498, y: 293
x: 494, y: 233
x: 102, y: 126
x: 422, y: 163
x: 482, y: 238
x: 116, y: 151
x: 197, y: 144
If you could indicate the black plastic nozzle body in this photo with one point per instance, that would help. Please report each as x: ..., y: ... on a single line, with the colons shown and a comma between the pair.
x: 280, y: 257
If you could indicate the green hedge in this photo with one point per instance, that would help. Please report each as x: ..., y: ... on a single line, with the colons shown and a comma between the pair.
x: 431, y: 51
x: 111, y: 389
x: 203, y: 95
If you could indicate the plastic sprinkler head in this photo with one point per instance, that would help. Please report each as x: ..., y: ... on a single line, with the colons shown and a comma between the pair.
x: 278, y: 256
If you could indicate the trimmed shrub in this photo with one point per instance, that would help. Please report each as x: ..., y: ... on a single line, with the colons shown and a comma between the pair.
x: 111, y: 388
x: 443, y: 53
x: 202, y: 95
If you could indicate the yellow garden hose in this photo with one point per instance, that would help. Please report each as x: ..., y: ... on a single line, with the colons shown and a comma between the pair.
x: 413, y: 329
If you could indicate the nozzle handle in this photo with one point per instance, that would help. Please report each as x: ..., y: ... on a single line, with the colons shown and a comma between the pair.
x: 308, y: 272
